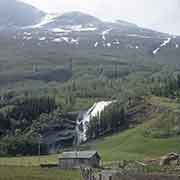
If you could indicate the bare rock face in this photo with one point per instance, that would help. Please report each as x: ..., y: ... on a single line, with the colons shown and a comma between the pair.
x: 170, y: 159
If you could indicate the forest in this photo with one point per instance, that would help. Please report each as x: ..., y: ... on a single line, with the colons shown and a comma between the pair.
x: 37, y: 93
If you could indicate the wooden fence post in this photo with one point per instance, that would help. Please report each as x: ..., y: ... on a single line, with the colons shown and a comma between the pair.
x: 100, y: 176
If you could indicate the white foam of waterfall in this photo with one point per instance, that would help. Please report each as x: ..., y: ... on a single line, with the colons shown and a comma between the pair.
x: 94, y: 111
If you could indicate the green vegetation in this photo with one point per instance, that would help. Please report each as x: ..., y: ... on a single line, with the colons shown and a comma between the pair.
x: 30, y: 173
x: 166, y: 122
x: 37, y: 91
x: 21, y: 124
x: 39, y: 85
x: 110, y: 121
x: 167, y: 86
x: 136, y: 144
x: 28, y: 160
x: 133, y: 145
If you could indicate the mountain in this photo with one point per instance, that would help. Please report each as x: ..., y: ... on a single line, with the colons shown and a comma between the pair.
x: 76, y: 29
x: 125, y: 23
x: 80, y: 30
x: 74, y: 18
x: 77, y: 59
x: 16, y: 13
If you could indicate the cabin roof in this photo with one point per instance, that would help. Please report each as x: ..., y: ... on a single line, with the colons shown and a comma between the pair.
x: 79, y: 155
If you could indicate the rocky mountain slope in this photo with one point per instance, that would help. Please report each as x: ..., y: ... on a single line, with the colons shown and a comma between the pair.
x: 23, y: 23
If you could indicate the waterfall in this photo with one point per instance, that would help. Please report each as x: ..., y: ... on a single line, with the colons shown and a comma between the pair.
x: 85, y: 118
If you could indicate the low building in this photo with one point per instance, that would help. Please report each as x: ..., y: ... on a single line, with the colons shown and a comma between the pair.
x: 75, y: 159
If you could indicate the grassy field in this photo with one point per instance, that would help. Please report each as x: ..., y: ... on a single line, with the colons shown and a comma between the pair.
x: 30, y: 173
x: 133, y: 144
x: 28, y: 161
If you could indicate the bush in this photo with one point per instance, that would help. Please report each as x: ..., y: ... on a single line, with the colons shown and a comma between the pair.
x: 21, y: 146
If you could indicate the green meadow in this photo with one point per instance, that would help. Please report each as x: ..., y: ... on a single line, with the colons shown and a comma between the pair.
x: 31, y: 173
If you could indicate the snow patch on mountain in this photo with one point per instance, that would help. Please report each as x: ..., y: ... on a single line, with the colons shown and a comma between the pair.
x: 104, y: 34
x: 68, y: 40
x: 57, y: 40
x: 60, y: 30
x: 27, y: 38
x: 108, y: 44
x: 162, y: 45
x: 27, y: 33
x: 74, y: 41
x: 116, y: 42
x: 137, y: 35
x: 96, y: 44
x: 77, y: 28
x: 42, y: 38
x: 80, y: 28
x: 156, y: 50
x: 166, y: 42
x: 47, y: 19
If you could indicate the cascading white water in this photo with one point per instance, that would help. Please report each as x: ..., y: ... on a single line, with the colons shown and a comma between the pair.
x: 94, y: 111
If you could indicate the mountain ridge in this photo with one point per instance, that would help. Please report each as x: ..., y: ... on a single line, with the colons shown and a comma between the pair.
x: 17, y: 13
x: 77, y: 29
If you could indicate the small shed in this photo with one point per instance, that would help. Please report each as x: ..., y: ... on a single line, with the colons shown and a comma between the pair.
x: 75, y: 159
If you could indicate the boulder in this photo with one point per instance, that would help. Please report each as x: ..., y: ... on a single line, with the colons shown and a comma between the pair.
x: 170, y: 159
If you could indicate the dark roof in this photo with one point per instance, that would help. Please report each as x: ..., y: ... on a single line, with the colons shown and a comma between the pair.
x: 79, y: 155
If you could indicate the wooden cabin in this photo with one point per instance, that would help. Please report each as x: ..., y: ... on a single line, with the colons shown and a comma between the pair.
x: 75, y: 159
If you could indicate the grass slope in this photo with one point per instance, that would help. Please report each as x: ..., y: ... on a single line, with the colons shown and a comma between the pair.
x: 28, y: 161
x: 30, y: 173
x: 132, y: 144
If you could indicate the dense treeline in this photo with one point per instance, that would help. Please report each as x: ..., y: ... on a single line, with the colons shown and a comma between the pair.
x: 14, y: 146
x: 167, y: 87
x: 18, y: 114
x: 106, y: 88
x: 110, y: 120
x: 19, y: 119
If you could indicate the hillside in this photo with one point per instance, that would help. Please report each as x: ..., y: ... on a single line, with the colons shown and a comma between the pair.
x: 75, y: 84
x: 130, y: 144
x: 73, y: 19
x: 135, y: 144
x: 30, y: 27
x: 18, y: 14
x: 55, y: 67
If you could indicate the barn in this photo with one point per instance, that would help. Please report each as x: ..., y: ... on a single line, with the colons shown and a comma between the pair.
x: 75, y: 159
